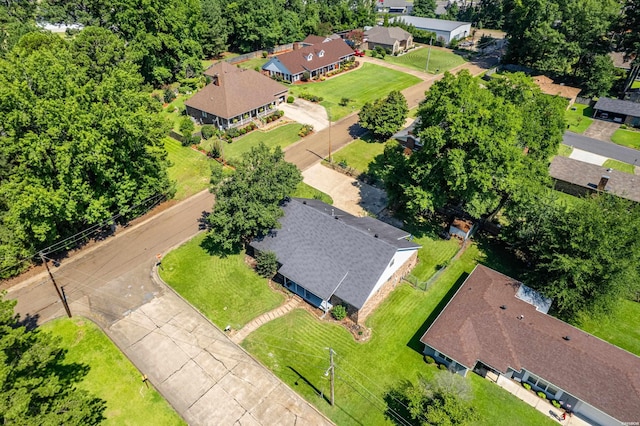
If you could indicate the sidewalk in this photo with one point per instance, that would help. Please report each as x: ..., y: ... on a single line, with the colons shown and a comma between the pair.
x: 282, y: 310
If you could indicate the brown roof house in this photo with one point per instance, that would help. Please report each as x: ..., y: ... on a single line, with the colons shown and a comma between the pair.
x: 579, y: 178
x: 316, y: 59
x: 548, y: 87
x: 330, y: 257
x: 234, y: 97
x: 499, y: 328
x: 393, y: 39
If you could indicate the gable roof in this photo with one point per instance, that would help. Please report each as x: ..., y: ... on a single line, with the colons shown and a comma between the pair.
x: 431, y: 23
x: 473, y: 326
x: 618, y: 107
x: 315, y: 39
x: 296, y: 62
x: 588, y: 175
x: 238, y: 91
x: 386, y: 35
x: 328, y: 251
x: 548, y: 87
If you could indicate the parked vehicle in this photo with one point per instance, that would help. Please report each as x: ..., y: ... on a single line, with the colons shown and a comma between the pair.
x: 359, y: 53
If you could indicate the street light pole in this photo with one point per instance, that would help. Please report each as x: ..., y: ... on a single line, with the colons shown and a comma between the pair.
x: 429, y: 54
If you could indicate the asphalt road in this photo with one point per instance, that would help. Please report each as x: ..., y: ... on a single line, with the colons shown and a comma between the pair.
x: 606, y: 149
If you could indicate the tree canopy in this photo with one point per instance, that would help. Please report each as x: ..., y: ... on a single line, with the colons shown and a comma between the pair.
x: 385, y: 116
x: 424, y: 8
x: 248, y: 202
x: 481, y: 146
x: 37, y: 387
x: 80, y: 140
x: 583, y: 255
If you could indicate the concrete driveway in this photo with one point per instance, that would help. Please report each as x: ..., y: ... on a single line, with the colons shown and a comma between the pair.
x: 348, y: 193
x: 305, y: 112
x: 601, y: 130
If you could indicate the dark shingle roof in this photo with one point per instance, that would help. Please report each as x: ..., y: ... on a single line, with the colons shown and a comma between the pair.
x: 474, y: 327
x: 322, y: 247
x: 430, y: 23
x: 239, y: 91
x: 296, y: 62
x: 622, y: 184
x: 386, y: 35
x: 618, y: 107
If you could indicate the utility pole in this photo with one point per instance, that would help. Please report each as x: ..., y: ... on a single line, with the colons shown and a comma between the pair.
x: 333, y: 373
x: 62, y: 298
x: 330, y: 159
x: 429, y: 53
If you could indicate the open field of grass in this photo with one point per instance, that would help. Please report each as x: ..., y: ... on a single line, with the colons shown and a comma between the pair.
x: 359, y: 153
x: 111, y: 375
x: 580, y: 118
x: 564, y: 150
x: 306, y: 191
x: 366, y: 84
x: 620, y: 166
x: 294, y: 348
x: 225, y: 289
x: 190, y: 169
x: 281, y: 136
x: 630, y: 138
x: 622, y: 329
x: 440, y: 60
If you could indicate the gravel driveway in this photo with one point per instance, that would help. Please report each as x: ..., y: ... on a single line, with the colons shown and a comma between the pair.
x: 305, y: 112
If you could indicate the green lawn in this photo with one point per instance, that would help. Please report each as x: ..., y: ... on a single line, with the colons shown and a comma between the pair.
x: 359, y: 153
x: 190, y: 169
x: 630, y: 138
x: 294, y: 348
x: 439, y: 60
x: 171, y: 112
x: 251, y: 64
x: 225, y: 289
x: 281, y: 136
x: 306, y: 191
x: 111, y: 375
x: 365, y: 84
x: 580, y: 118
x: 635, y: 84
x: 564, y: 150
x: 620, y: 166
x: 622, y: 329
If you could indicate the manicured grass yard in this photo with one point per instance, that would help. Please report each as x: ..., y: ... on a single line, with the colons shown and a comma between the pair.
x: 359, y: 153
x: 440, y: 60
x: 225, y: 289
x: 294, y: 348
x: 190, y: 169
x: 564, y: 150
x: 306, y: 191
x: 281, y: 136
x: 580, y: 118
x: 630, y: 138
x: 365, y: 84
x: 622, y: 329
x: 111, y: 376
x: 620, y: 166
x: 251, y: 64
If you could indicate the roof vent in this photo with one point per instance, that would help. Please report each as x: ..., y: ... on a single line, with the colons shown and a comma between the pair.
x: 304, y: 202
x: 520, y: 317
x: 567, y: 338
x: 503, y: 307
x: 375, y: 235
x: 336, y: 217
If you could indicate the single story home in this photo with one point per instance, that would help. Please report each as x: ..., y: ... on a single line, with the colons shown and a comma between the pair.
x: 394, y: 6
x: 329, y: 257
x: 579, y: 178
x: 619, y: 111
x: 316, y: 59
x: 548, y: 87
x: 448, y: 30
x: 498, y: 327
x: 234, y: 97
x: 393, y: 39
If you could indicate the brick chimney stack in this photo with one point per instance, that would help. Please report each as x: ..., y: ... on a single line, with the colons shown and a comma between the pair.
x: 603, y: 182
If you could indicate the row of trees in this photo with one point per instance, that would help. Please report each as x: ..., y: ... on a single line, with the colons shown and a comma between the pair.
x: 80, y: 140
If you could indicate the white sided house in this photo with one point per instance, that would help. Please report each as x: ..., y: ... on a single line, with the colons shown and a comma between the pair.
x: 499, y: 328
x: 329, y: 257
x: 448, y: 30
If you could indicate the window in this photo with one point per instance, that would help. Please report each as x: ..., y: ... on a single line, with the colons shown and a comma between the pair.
x: 443, y: 356
x: 310, y: 57
x: 321, y: 53
x: 204, y: 114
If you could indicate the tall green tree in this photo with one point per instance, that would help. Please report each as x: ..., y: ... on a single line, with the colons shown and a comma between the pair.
x: 248, y: 202
x: 385, y: 116
x: 214, y: 30
x: 17, y: 18
x: 424, y: 8
x: 37, y: 387
x: 584, y: 255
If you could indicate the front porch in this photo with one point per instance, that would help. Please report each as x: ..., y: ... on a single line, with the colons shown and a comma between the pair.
x: 247, y: 117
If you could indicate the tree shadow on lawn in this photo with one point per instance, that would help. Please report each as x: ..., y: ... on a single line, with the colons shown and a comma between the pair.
x: 497, y: 256
x: 415, y: 343
x: 215, y: 249
x: 357, y: 131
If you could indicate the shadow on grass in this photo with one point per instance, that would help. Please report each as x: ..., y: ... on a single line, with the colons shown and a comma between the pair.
x: 214, y: 248
x: 311, y: 385
x: 356, y: 131
x: 498, y: 257
x: 415, y: 343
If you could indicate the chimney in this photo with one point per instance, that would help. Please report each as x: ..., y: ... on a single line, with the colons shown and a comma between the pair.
x: 216, y: 79
x: 296, y: 46
x: 603, y: 182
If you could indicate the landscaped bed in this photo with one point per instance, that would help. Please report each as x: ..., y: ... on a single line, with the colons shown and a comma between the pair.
x: 367, y: 83
x: 111, y: 375
x: 440, y: 60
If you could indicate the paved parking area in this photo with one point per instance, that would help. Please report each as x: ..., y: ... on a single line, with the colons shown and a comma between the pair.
x: 601, y: 130
x: 588, y: 157
x: 305, y: 112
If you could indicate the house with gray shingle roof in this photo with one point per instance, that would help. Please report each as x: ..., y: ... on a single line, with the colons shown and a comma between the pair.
x: 234, y: 97
x: 447, y: 30
x: 393, y: 39
x: 499, y: 328
x: 317, y: 59
x: 329, y: 257
x: 626, y: 112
